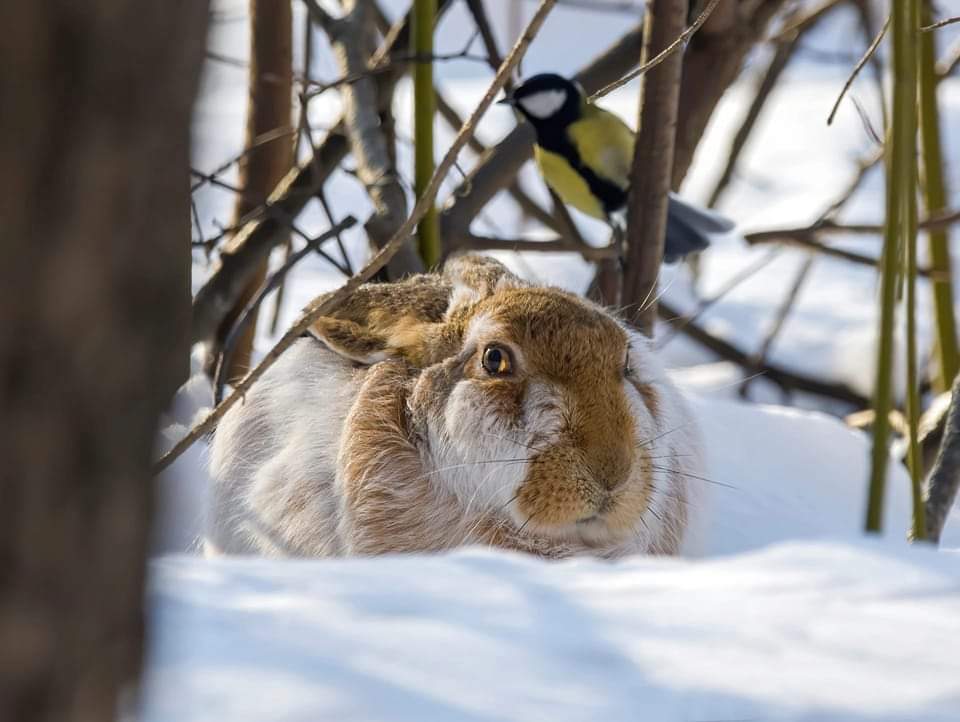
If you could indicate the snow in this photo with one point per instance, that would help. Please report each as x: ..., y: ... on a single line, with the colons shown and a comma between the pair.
x: 833, y: 631
x: 791, y: 615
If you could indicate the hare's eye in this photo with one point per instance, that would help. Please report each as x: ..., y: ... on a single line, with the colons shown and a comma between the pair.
x: 496, y: 361
x: 627, y: 370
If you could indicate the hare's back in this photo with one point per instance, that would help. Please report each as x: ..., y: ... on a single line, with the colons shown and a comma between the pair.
x: 273, y: 458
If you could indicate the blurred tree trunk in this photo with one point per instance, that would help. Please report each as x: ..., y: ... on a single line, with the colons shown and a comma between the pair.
x: 94, y: 307
x: 269, y: 108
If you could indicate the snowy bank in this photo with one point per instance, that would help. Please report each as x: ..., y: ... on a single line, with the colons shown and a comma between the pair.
x: 831, y: 631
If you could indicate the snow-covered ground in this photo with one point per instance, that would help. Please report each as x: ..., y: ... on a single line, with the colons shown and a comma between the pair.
x: 793, y: 617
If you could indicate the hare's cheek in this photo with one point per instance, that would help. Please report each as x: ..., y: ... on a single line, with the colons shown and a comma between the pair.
x: 485, y: 408
x: 542, y: 414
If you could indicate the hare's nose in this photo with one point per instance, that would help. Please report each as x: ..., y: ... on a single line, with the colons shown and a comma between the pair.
x: 612, y: 469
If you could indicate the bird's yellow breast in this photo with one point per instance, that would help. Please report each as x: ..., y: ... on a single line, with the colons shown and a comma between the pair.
x: 568, y: 184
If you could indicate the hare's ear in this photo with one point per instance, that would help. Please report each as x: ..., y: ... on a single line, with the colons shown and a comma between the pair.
x: 380, y: 320
x: 352, y: 340
x: 474, y: 278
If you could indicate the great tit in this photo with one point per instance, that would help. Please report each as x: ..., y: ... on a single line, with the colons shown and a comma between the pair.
x: 584, y: 154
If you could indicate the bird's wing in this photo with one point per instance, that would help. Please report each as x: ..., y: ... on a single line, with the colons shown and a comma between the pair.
x: 605, y: 144
x: 690, y: 228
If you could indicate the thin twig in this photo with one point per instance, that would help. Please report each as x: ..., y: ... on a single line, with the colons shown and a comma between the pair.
x: 941, y: 24
x: 783, y: 312
x: 857, y: 68
x: 783, y: 377
x: 732, y: 283
x: 660, y: 57
x: 261, y: 139
x: 325, y: 304
x: 250, y: 311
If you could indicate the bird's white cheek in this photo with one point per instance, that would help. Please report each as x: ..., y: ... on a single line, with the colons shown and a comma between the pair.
x: 543, y: 104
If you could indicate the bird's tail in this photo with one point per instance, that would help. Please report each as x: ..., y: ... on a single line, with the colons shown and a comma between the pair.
x: 690, y: 228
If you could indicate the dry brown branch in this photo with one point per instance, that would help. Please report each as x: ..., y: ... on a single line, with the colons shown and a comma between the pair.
x: 940, y: 24
x: 327, y: 303
x: 652, y: 167
x: 783, y: 312
x: 808, y: 238
x: 786, y: 379
x: 798, y: 22
x: 349, y: 39
x: 479, y: 13
x: 735, y: 281
x: 269, y: 107
x: 787, y: 41
x: 240, y: 257
x: 857, y: 68
x: 711, y: 63
x: 522, y: 199
x: 249, y: 312
x: 863, y: 168
x: 662, y: 55
x: 255, y: 240
x: 475, y: 242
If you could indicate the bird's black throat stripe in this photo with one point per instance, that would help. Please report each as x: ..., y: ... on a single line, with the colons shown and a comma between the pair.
x: 612, y: 197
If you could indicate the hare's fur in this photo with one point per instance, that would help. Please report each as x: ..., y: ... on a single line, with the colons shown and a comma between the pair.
x: 387, y: 434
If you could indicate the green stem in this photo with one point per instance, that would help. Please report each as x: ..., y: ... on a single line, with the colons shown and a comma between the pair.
x: 901, y: 140
x: 913, y: 392
x: 424, y: 106
x: 909, y: 227
x: 935, y: 197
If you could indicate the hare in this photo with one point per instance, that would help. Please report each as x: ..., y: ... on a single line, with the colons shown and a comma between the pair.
x: 464, y: 408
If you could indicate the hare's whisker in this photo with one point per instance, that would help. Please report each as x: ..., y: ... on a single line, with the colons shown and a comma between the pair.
x: 692, y: 476
x: 662, y: 434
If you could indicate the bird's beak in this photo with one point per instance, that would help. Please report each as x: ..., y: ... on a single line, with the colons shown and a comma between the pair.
x: 506, y: 100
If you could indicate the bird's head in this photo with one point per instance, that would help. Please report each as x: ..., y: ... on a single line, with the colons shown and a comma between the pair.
x: 547, y: 99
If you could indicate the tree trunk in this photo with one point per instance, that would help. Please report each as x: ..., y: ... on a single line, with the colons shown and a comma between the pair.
x: 94, y: 307
x: 269, y: 107
x: 652, y: 163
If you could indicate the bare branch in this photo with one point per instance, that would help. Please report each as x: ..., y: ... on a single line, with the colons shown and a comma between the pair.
x: 349, y: 38
x: 941, y: 24
x: 479, y: 12
x: 661, y: 56
x: 857, y: 68
x: 327, y: 303
x: 250, y: 310
x: 799, y: 22
x: 807, y: 238
x: 787, y: 41
x: 783, y: 312
x: 475, y: 242
x: 786, y: 379
x: 240, y: 257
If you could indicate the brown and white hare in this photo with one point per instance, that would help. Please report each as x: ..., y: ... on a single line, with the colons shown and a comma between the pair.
x: 462, y: 408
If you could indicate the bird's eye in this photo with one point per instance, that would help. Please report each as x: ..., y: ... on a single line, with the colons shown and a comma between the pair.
x: 496, y: 361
